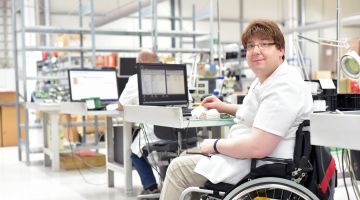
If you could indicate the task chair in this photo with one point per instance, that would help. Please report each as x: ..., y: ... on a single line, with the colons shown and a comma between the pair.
x: 281, y: 179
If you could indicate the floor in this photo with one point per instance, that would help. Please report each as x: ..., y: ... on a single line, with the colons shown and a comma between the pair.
x: 36, y: 182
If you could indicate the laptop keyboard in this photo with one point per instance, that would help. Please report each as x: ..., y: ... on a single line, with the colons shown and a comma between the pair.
x: 186, y: 111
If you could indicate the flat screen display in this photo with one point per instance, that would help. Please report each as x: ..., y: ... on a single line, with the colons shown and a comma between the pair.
x: 127, y: 66
x: 121, y: 81
x: 90, y: 83
x: 162, y: 84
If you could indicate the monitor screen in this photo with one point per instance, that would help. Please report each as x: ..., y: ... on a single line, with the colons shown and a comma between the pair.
x: 127, y: 66
x: 121, y: 81
x: 162, y: 84
x: 90, y: 83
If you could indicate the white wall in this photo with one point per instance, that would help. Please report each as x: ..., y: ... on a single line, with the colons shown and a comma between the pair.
x: 7, y: 80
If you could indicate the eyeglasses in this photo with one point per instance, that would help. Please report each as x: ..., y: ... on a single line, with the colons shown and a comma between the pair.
x: 262, y: 45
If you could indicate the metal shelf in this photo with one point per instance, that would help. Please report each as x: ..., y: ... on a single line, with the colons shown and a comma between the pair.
x: 46, y: 78
x: 68, y: 149
x: 184, y: 50
x: 48, y: 48
x: 56, y: 30
x: 7, y: 104
x: 20, y: 31
x: 85, y: 123
x: 130, y: 50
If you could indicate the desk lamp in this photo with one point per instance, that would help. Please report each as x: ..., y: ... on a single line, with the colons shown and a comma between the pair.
x: 349, y: 62
x: 350, y: 65
x: 348, y: 97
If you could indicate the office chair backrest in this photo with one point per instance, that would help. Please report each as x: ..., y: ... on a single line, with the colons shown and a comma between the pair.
x: 167, y: 133
x: 170, y: 136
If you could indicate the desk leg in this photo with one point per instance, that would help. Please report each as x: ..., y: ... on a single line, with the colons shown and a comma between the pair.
x: 127, y: 161
x: 55, y: 141
x: 219, y: 131
x: 215, y: 132
x: 47, y: 159
x: 110, y: 150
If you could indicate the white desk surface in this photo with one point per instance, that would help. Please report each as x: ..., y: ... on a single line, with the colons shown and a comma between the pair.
x: 168, y: 116
x: 45, y: 107
x: 79, y: 108
x: 336, y: 130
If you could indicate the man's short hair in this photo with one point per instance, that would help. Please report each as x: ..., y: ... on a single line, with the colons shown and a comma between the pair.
x: 147, y: 56
x: 264, y: 29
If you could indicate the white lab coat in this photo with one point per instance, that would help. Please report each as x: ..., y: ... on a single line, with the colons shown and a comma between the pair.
x: 130, y: 96
x: 278, y: 106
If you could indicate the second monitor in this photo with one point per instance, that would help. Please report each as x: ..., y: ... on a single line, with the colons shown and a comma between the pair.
x: 127, y: 66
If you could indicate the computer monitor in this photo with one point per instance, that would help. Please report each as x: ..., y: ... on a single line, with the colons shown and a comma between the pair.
x: 90, y: 83
x: 127, y: 66
x: 162, y: 84
x: 121, y: 81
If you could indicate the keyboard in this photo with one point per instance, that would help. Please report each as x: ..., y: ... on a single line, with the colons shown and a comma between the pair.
x: 186, y: 111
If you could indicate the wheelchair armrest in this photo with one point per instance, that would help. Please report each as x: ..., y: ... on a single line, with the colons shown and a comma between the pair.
x: 281, y: 168
x: 277, y: 160
x: 221, y: 187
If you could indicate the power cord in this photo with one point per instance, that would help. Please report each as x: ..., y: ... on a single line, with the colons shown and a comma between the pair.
x: 343, y: 173
x: 147, y: 144
x: 73, y: 156
x: 352, y: 174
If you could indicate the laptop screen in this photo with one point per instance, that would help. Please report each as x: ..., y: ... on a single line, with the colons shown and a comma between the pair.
x: 162, y: 84
x: 90, y: 83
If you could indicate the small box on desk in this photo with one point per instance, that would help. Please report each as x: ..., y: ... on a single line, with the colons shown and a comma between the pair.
x: 81, y: 160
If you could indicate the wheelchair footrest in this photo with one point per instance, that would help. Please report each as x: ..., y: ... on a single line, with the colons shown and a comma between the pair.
x: 154, y: 196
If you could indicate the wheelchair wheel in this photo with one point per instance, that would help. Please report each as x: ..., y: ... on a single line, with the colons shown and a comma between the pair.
x: 270, y: 188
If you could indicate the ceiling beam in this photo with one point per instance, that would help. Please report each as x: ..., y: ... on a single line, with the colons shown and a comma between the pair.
x: 346, y: 21
x: 123, y: 11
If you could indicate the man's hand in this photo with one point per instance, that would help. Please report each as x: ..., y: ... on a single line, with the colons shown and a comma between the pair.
x: 212, y: 102
x: 207, y: 146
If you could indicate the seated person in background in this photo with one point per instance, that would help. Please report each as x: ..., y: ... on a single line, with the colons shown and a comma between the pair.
x: 277, y: 102
x: 130, y: 96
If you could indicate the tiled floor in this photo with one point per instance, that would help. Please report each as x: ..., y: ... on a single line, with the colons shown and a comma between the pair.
x: 36, y: 182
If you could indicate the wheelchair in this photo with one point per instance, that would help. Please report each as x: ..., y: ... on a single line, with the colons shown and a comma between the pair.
x: 280, y: 179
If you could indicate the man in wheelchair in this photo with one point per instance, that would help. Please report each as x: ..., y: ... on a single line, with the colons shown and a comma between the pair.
x: 277, y: 102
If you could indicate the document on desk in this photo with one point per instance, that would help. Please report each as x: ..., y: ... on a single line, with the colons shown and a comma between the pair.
x: 112, y: 106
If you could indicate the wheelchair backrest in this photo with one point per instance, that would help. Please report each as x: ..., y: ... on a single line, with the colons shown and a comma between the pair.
x: 314, y: 165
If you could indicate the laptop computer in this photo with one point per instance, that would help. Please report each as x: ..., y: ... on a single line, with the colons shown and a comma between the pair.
x: 163, y: 85
x: 93, y: 83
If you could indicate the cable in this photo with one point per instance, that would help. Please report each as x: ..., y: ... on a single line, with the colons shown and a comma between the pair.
x: 343, y: 172
x: 77, y: 167
x: 352, y: 175
x: 147, y: 144
x: 186, y: 133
